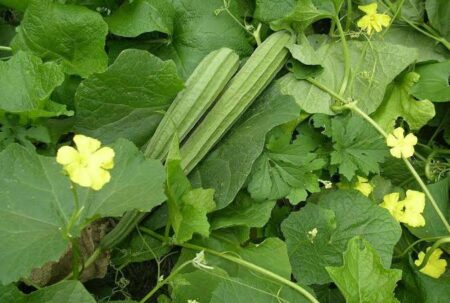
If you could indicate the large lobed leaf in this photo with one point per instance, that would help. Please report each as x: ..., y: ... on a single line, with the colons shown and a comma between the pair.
x: 127, y: 100
x: 36, y: 203
x: 70, y: 34
x: 317, y: 235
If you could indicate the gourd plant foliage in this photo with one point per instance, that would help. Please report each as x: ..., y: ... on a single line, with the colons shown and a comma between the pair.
x: 264, y: 151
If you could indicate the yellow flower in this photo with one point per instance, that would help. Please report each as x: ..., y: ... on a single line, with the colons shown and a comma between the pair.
x: 409, y: 210
x: 435, y: 267
x: 401, y: 146
x: 88, y: 164
x: 391, y: 203
x: 363, y: 186
x: 372, y: 20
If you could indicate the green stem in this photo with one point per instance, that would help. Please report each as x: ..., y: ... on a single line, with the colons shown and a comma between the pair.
x: 431, y: 250
x: 5, y: 48
x: 239, y: 261
x: 327, y: 90
x: 165, y: 281
x: 86, y: 264
x: 346, y: 56
x: 76, y: 268
x: 414, y: 244
x: 427, y: 193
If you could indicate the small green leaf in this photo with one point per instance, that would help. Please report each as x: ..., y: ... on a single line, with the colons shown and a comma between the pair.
x: 433, y: 82
x: 363, y: 278
x: 70, y: 34
x: 358, y: 148
x: 306, y: 63
x: 128, y: 99
x: 285, y: 170
x: 187, y: 207
x: 142, y: 16
x: 36, y: 203
x: 317, y: 235
x: 26, y: 85
x: 399, y: 103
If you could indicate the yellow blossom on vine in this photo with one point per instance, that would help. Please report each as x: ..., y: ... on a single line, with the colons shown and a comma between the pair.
x: 372, y: 20
x: 435, y: 266
x: 409, y: 210
x: 401, y: 146
x: 88, y: 164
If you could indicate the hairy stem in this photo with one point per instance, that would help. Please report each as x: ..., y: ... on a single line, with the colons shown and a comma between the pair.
x: 346, y: 55
x: 5, y: 48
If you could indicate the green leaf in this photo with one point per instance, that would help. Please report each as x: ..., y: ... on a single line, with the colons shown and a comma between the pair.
x: 197, y: 31
x: 187, y: 207
x: 438, y: 12
x: 382, y: 63
x: 20, y: 5
x: 270, y: 10
x: 244, y: 211
x: 197, y: 285
x: 142, y: 16
x: 433, y: 224
x: 285, y: 170
x: 36, y: 203
x: 358, y: 148
x: 306, y: 63
x: 418, y: 287
x: 227, y: 167
x: 317, y: 235
x: 305, y: 13
x: 433, y: 82
x: 413, y: 10
x: 128, y: 99
x: 26, y: 85
x: 72, y: 35
x: 363, y: 278
x: 66, y: 291
x: 399, y: 103
x: 425, y: 46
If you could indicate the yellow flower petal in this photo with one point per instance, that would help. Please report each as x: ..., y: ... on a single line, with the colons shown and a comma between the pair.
x: 399, y: 133
x: 384, y: 20
x: 396, y: 152
x: 100, y: 178
x: 410, y: 139
x: 86, y: 145
x: 414, y: 205
x: 390, y: 202
x: 369, y: 9
x: 391, y: 140
x: 435, y: 266
x: 67, y: 155
x: 104, y: 157
x: 407, y: 151
x: 363, y: 186
x: 80, y: 175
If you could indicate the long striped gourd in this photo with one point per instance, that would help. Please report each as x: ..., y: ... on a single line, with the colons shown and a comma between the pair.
x: 249, y: 82
x: 202, y: 88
